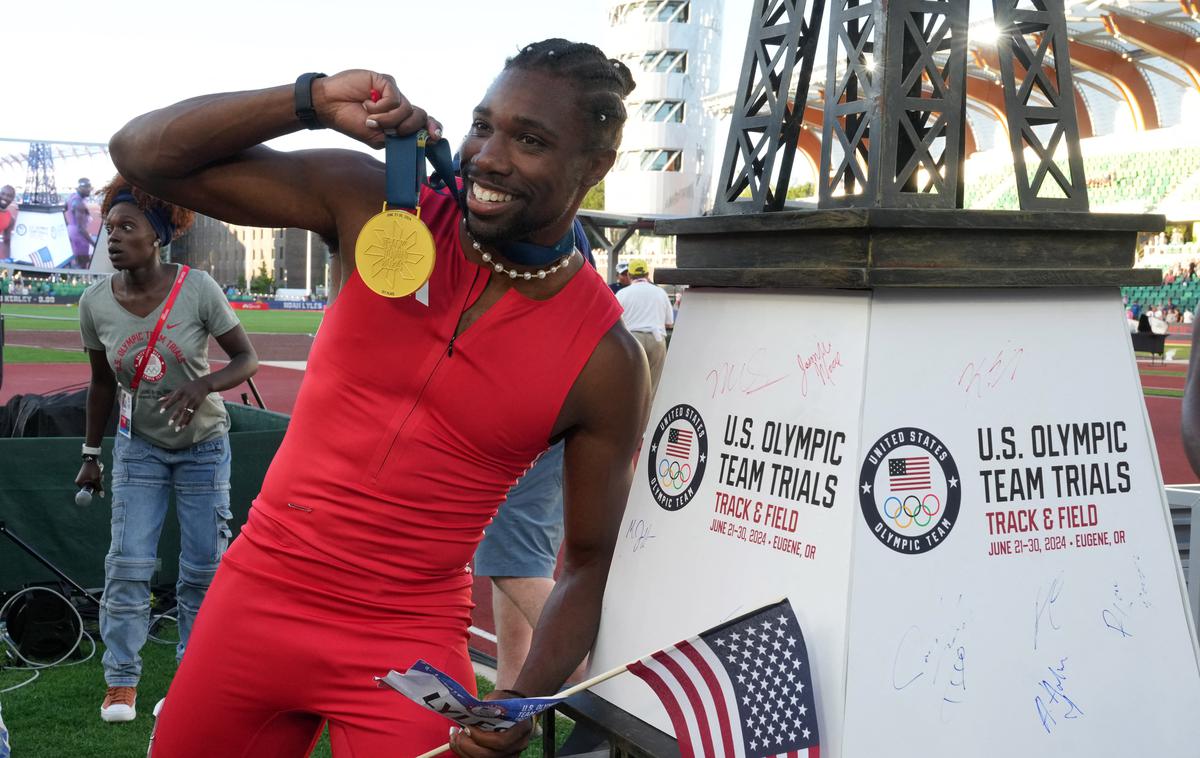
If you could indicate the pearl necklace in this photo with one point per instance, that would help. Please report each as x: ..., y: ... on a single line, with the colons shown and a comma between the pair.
x: 512, y: 272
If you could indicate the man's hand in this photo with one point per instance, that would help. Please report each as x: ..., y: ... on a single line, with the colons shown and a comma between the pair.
x: 344, y: 102
x: 476, y: 743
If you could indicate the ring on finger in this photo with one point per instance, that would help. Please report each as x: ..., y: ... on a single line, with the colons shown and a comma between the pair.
x: 189, y: 410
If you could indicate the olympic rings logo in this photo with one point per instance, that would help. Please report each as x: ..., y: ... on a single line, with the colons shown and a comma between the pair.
x: 672, y: 475
x: 913, y: 510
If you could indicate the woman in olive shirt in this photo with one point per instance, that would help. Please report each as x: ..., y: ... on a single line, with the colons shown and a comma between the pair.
x: 173, y: 430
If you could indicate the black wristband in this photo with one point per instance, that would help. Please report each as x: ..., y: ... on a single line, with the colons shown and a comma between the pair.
x: 304, y: 103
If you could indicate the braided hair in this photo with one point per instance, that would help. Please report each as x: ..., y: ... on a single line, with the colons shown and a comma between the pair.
x: 601, y: 83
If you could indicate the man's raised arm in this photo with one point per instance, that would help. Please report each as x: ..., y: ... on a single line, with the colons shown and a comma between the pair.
x: 206, y: 153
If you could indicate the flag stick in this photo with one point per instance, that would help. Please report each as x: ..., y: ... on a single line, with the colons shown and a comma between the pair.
x: 581, y: 686
x: 594, y: 680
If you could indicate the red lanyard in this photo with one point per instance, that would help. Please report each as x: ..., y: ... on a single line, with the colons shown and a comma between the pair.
x: 140, y: 362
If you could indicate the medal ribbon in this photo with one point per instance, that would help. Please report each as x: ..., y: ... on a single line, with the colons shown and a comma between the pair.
x: 405, y: 173
x: 404, y: 169
x: 139, y: 366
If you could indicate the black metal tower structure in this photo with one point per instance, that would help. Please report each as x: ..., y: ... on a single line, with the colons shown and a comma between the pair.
x: 39, y: 180
x: 772, y: 93
x: 895, y: 105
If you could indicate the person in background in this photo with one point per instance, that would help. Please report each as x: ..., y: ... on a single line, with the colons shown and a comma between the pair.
x: 8, y: 220
x: 77, y: 225
x: 622, y: 278
x: 173, y: 428
x: 648, y: 315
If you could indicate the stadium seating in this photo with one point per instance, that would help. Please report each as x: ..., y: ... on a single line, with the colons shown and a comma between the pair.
x: 1129, y: 182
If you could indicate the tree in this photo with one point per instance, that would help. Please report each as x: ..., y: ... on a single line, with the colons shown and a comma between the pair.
x: 800, y: 191
x: 594, y: 199
x: 262, y: 283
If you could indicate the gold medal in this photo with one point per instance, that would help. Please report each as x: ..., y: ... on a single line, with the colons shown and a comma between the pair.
x: 394, y: 253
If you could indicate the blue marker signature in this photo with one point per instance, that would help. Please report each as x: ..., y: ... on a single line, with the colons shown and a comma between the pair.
x: 640, y: 532
x: 1055, y: 693
x: 1121, y: 610
x: 1044, y: 607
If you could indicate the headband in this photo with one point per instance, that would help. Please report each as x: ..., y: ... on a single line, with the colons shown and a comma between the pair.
x: 159, y: 218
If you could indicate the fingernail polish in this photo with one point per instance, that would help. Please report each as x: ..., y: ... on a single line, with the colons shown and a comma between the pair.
x: 372, y: 123
x: 162, y: 410
x: 179, y: 428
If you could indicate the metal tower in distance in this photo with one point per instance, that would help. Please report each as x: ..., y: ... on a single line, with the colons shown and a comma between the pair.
x: 39, y: 181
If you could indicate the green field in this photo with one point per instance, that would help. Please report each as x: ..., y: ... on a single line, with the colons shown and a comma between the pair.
x: 66, y: 318
x: 20, y: 354
x: 59, y: 713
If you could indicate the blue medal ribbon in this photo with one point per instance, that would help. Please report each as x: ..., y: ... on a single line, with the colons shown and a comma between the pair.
x: 405, y: 173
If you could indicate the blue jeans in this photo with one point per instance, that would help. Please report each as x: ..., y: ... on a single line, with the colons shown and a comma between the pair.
x: 143, y: 475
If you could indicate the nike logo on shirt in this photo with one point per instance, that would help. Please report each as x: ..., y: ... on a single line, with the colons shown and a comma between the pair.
x: 172, y: 326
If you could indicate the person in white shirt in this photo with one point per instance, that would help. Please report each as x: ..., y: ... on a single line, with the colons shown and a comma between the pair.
x: 648, y: 315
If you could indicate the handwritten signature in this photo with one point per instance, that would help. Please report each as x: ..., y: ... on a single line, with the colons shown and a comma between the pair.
x: 747, y: 376
x: 1121, y: 609
x: 823, y: 361
x: 640, y: 531
x: 1054, y: 693
x: 939, y: 663
x: 1044, y: 607
x: 986, y: 374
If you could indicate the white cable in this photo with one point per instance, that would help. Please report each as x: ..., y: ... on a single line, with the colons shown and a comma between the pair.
x: 165, y: 615
x: 13, y: 645
x: 30, y: 680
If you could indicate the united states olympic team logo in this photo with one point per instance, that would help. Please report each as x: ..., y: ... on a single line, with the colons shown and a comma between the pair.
x: 909, y: 490
x: 156, y: 367
x: 678, y: 452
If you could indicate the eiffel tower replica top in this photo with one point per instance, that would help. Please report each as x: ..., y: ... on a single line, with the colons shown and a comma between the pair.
x: 890, y: 184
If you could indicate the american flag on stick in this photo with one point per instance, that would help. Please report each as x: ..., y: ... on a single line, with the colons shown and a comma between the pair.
x: 679, y: 443
x: 743, y: 688
x: 908, y: 473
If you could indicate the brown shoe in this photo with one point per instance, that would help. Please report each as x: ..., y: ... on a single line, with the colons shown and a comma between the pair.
x: 119, y: 704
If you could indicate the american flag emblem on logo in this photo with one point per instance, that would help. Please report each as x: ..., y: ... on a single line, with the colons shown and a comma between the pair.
x: 743, y: 688
x: 679, y: 443
x: 908, y: 473
x: 677, y: 455
x: 41, y: 257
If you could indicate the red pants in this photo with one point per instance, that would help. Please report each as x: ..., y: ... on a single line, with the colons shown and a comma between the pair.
x: 271, y: 661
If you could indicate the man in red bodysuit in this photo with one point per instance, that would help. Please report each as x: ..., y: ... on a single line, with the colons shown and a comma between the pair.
x: 416, y: 414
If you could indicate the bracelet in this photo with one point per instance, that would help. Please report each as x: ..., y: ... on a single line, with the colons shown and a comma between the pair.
x: 90, y: 457
x: 90, y: 450
x: 304, y: 103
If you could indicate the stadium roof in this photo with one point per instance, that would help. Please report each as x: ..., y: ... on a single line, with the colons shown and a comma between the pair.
x: 1133, y: 64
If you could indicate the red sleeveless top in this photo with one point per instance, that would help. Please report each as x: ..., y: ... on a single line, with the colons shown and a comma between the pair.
x: 399, y: 451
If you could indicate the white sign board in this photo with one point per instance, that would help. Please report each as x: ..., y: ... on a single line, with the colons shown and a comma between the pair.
x: 40, y: 238
x: 768, y: 388
x: 990, y: 572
